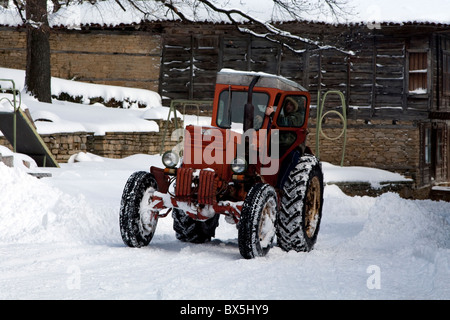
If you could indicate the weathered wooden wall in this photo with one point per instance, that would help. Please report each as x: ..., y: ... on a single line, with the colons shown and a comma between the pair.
x: 374, y: 78
x: 181, y: 61
x: 112, y: 57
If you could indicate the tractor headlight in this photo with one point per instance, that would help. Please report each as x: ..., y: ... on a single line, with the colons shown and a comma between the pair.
x: 170, y: 159
x: 239, y: 165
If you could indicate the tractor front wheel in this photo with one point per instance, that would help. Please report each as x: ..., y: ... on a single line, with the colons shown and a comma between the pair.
x: 137, y: 220
x: 257, y: 224
x: 301, y: 206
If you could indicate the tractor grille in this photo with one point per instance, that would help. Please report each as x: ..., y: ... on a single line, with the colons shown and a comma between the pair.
x: 184, y: 182
x: 207, y: 187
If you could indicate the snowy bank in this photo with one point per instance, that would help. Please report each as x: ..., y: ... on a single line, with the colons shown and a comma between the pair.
x: 63, y: 116
x: 373, y: 176
x: 60, y: 239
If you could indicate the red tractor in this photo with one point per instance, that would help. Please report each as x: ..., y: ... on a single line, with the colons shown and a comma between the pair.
x: 251, y: 165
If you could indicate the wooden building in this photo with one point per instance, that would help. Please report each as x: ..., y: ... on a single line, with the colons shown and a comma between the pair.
x: 395, y: 78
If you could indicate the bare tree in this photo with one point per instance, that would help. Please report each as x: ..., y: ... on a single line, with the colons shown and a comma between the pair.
x: 34, y: 14
x: 37, y: 75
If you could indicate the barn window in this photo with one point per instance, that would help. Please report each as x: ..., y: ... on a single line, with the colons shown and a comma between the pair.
x: 418, y: 73
x: 446, y: 73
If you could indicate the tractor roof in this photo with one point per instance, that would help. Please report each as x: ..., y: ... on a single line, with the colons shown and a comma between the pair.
x: 267, y: 80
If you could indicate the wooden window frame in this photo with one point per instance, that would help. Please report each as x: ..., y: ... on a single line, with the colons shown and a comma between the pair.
x: 420, y: 71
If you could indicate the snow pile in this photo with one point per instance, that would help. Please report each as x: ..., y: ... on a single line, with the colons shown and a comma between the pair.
x: 396, y: 224
x: 70, y: 117
x: 34, y: 212
x: 107, y: 92
x: 21, y: 161
x: 74, y: 117
x: 86, y: 91
x: 62, y: 116
x: 375, y: 177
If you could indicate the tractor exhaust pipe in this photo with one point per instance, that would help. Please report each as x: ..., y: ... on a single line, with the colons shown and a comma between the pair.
x: 249, y: 108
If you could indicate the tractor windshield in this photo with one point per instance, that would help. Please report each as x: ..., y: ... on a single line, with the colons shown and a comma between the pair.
x: 230, y: 113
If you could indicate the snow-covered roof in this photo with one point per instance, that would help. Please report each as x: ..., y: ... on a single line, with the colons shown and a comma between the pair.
x: 109, y: 13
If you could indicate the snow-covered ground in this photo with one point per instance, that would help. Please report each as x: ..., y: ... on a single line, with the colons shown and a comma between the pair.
x: 60, y: 239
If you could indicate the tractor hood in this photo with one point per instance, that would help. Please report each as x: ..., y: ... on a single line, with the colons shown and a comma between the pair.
x: 210, y: 147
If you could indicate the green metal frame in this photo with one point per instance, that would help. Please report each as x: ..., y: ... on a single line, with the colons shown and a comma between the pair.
x: 321, y: 116
x: 17, y: 114
x: 183, y: 103
x: 15, y: 106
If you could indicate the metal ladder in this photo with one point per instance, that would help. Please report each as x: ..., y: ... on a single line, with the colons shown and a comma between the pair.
x: 13, y: 103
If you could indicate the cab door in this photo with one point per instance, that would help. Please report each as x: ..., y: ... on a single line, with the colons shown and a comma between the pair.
x: 286, y: 131
x: 291, y: 122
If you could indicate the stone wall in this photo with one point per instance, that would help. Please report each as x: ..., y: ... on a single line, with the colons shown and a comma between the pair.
x: 378, y: 144
x: 61, y: 145
x: 124, y: 144
x: 64, y: 145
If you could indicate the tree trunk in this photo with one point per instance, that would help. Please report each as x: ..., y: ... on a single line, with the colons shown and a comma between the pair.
x: 38, y: 76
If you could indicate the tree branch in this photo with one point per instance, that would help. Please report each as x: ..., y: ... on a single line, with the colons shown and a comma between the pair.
x: 290, y: 6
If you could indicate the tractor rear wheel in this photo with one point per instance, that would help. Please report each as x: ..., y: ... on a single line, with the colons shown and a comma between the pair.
x: 190, y: 230
x: 257, y: 224
x: 137, y: 221
x: 301, y: 206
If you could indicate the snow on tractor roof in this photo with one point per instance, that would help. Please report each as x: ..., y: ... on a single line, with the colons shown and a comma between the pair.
x: 267, y: 80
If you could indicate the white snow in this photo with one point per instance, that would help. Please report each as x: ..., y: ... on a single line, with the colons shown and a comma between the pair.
x: 419, y: 91
x: 71, y: 117
x: 60, y: 238
x: 373, y: 176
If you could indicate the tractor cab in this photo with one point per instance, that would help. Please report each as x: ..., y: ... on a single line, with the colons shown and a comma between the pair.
x: 241, y: 102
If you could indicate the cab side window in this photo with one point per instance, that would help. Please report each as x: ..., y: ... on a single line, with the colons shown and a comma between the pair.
x: 293, y: 112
